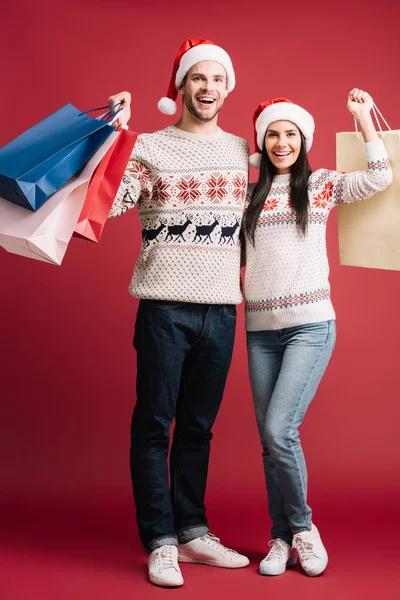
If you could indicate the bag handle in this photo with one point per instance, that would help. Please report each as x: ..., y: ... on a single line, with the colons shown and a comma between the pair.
x: 104, y: 116
x: 374, y: 109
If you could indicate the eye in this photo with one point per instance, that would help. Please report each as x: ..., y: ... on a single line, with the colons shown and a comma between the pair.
x: 271, y: 134
x: 291, y: 133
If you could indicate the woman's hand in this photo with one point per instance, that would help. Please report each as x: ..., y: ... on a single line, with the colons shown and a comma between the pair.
x: 125, y: 99
x: 359, y: 104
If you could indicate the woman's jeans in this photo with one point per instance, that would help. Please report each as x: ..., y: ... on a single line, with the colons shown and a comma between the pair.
x: 286, y: 366
x: 183, y: 355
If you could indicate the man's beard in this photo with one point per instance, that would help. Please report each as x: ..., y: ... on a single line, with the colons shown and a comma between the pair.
x: 199, y: 115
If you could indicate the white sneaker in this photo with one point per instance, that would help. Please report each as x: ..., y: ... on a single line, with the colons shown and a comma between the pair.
x: 312, y: 554
x: 163, y: 567
x: 278, y: 558
x: 208, y: 550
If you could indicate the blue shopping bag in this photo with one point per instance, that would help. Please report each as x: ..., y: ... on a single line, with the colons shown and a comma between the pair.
x: 38, y: 162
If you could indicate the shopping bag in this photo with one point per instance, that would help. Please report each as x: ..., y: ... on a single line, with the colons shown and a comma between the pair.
x: 103, y: 187
x: 44, y: 234
x: 369, y: 230
x: 38, y: 162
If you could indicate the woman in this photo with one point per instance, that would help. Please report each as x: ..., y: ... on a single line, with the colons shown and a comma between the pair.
x: 290, y: 320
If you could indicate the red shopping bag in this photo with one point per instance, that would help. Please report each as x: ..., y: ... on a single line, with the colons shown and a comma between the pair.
x: 103, y: 187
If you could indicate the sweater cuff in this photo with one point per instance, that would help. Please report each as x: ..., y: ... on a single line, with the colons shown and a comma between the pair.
x: 375, y: 150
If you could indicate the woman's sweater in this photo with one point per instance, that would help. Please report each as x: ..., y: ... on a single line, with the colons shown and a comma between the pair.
x: 286, y: 281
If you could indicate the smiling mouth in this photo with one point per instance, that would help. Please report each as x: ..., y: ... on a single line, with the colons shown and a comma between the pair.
x: 206, y: 100
x: 282, y: 155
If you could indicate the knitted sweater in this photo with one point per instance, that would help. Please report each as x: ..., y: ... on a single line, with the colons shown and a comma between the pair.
x: 286, y: 281
x: 190, y: 190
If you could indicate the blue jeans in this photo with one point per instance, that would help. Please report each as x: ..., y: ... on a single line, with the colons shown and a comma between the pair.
x: 286, y: 366
x: 183, y: 356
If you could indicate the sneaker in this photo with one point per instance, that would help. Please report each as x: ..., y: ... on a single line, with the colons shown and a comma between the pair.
x: 208, y: 550
x: 278, y: 558
x: 163, y: 567
x: 311, y: 551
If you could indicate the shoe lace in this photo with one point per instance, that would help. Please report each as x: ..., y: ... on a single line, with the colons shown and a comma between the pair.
x: 278, y: 550
x: 305, y: 548
x: 215, y: 542
x: 165, y: 557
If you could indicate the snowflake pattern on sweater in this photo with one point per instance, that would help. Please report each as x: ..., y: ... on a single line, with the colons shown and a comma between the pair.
x: 287, y: 274
x: 190, y: 191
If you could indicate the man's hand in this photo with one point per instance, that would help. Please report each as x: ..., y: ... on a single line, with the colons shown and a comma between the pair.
x: 125, y: 99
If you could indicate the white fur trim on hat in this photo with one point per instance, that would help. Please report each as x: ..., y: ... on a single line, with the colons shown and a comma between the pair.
x: 167, y: 106
x: 285, y: 111
x: 205, y: 52
x: 255, y: 160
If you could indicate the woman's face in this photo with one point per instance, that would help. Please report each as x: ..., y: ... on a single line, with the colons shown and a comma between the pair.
x: 283, y: 143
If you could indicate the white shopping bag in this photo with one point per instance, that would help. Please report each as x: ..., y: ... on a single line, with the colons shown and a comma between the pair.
x: 44, y: 235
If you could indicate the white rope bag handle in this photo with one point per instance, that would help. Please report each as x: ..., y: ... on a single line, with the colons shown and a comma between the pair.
x: 374, y: 110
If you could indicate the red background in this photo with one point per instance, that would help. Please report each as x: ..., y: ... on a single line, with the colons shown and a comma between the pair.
x: 67, y: 362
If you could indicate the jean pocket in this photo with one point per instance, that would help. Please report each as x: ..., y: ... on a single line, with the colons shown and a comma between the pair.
x: 230, y: 311
x: 317, y: 334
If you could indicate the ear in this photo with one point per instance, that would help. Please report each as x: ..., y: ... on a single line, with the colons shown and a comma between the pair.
x: 181, y: 88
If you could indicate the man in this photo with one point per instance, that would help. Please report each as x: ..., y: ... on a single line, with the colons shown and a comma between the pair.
x: 189, y: 183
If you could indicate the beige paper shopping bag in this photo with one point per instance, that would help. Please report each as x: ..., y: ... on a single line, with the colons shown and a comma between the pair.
x: 369, y: 230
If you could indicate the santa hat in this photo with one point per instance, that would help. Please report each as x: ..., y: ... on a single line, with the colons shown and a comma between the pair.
x: 192, y: 51
x: 279, y: 109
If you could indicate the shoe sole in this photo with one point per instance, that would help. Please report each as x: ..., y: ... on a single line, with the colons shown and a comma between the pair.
x: 189, y: 559
x: 161, y: 583
x: 290, y: 563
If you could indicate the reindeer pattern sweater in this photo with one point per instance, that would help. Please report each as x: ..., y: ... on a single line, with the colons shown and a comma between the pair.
x: 286, y: 281
x: 190, y: 191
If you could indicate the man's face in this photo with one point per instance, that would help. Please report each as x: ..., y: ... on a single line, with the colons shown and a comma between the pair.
x: 204, y: 90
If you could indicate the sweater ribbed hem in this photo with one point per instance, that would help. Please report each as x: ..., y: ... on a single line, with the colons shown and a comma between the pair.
x: 282, y: 318
x: 206, y: 299
x: 208, y: 296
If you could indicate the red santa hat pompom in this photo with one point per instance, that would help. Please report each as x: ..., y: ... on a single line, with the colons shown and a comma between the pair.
x: 192, y: 51
x: 279, y: 109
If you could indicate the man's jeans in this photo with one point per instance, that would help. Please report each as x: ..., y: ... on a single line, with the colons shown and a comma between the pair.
x: 286, y: 367
x: 183, y: 355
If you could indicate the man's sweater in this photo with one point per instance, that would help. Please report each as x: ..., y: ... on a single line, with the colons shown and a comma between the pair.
x: 190, y: 191
x: 286, y: 282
